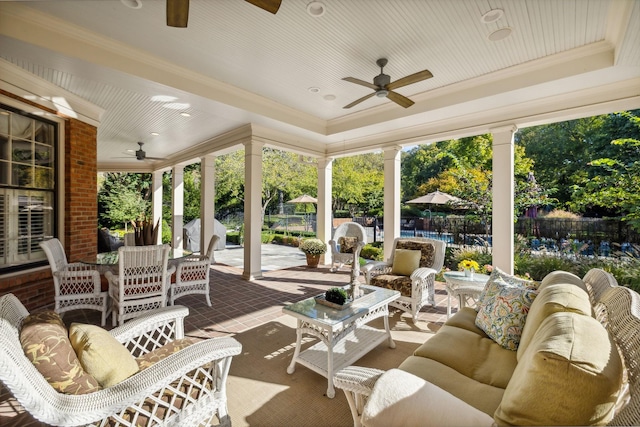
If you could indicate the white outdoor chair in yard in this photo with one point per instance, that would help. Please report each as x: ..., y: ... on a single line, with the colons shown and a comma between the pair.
x: 348, y: 240
x: 142, y: 281
x: 411, y: 270
x: 174, y: 381
x: 77, y: 285
x: 192, y: 274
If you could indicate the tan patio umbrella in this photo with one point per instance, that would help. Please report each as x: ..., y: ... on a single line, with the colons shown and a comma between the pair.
x: 435, y: 198
x: 305, y: 198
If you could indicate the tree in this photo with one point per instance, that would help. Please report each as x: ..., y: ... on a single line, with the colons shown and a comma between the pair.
x: 613, y: 183
x: 123, y: 197
x: 358, y: 183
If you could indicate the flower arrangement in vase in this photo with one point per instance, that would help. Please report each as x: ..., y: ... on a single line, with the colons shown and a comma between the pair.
x: 469, y: 266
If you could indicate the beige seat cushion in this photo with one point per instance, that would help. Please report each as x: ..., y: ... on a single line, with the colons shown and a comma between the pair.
x: 101, y: 355
x: 402, y: 399
x: 483, y: 397
x: 569, y: 374
x: 465, y: 318
x: 473, y: 355
x: 46, y: 344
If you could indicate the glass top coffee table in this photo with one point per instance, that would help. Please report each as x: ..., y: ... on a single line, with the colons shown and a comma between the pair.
x: 344, y: 334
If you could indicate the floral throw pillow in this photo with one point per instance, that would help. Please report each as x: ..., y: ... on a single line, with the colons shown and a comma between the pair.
x: 503, y: 312
x: 497, y: 274
x: 46, y: 344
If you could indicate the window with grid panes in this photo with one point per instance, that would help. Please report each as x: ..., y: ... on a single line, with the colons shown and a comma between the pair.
x: 27, y: 184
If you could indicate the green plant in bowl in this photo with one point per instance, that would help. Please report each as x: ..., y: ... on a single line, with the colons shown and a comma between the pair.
x: 336, y: 295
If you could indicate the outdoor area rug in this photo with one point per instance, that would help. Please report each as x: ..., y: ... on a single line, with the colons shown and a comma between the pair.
x: 262, y: 394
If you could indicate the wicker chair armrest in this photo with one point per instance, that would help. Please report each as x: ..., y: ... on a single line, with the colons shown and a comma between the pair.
x: 80, y: 266
x: 377, y: 267
x: 357, y: 383
x: 357, y: 379
x: 171, y: 269
x: 196, y: 264
x: 73, y: 410
x: 333, y: 244
x: 422, y: 273
x: 152, y: 330
x: 78, y: 281
x: 194, y: 258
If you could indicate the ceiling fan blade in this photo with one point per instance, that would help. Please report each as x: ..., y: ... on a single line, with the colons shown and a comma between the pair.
x: 271, y: 6
x: 177, y: 13
x: 153, y: 158
x: 410, y: 79
x: 360, y: 82
x: 358, y: 101
x: 401, y: 100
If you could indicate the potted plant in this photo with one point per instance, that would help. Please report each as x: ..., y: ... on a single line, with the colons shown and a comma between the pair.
x: 314, y: 249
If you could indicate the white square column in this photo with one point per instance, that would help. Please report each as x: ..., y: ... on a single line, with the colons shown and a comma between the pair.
x: 156, y: 202
x: 177, y: 206
x: 252, y: 210
x: 207, y: 200
x: 391, y: 198
x: 324, y: 227
x: 503, y: 195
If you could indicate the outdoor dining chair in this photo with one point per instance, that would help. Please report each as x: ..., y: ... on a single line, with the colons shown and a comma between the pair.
x: 192, y: 274
x: 141, y: 283
x: 76, y: 285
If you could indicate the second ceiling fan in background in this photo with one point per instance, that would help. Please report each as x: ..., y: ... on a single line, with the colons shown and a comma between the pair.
x: 383, y: 86
x: 178, y: 10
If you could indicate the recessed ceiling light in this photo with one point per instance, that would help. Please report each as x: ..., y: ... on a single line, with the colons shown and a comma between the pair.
x: 314, y: 89
x: 177, y: 105
x: 163, y: 98
x: 500, y: 34
x: 316, y: 9
x: 184, y: 114
x: 492, y: 16
x: 154, y: 134
x: 329, y: 97
x: 133, y: 4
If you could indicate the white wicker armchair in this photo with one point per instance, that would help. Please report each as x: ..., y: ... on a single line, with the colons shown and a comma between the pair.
x: 192, y: 274
x: 77, y: 286
x: 142, y: 281
x: 348, y: 240
x: 156, y: 392
x: 418, y: 288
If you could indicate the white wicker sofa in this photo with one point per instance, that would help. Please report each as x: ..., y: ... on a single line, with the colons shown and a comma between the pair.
x: 577, y: 363
x: 183, y: 383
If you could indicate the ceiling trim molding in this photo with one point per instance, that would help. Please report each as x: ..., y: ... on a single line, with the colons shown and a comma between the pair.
x: 32, y: 26
x: 620, y: 12
x: 35, y: 89
x: 583, y: 103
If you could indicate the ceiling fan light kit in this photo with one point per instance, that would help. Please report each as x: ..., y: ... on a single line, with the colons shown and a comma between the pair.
x: 384, y: 88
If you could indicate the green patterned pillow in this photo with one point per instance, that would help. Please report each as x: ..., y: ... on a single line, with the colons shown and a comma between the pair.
x: 45, y: 343
x: 503, y: 312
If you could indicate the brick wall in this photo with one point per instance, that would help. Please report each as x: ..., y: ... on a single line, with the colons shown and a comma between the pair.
x: 35, y: 288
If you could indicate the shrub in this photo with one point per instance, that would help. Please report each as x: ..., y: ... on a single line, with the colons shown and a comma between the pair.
x: 373, y: 252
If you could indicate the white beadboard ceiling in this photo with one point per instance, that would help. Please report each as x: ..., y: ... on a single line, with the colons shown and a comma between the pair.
x: 238, y: 67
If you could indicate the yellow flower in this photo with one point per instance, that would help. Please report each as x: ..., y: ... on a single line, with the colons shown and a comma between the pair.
x: 468, y: 263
